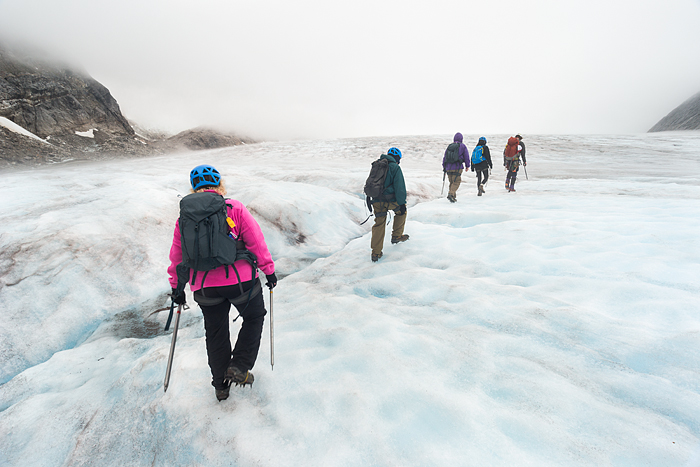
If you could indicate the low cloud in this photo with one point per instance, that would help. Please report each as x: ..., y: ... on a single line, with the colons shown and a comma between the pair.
x: 312, y: 69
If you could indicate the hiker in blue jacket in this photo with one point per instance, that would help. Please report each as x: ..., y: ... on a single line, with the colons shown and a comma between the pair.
x: 481, y: 163
x: 456, y: 154
x: 394, y: 199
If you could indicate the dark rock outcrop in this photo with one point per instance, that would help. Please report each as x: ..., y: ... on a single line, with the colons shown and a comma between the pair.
x: 684, y: 117
x: 17, y: 149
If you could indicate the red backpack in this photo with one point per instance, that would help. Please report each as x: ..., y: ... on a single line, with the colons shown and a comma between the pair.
x: 512, y: 147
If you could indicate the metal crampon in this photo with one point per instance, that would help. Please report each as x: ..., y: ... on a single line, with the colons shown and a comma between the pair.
x: 235, y: 375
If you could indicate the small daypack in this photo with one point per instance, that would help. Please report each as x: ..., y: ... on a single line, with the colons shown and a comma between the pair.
x: 452, y: 153
x: 205, y: 235
x: 478, y: 155
x: 511, y: 148
x: 374, y: 185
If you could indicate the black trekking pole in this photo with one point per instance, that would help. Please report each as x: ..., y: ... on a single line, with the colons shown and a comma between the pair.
x: 272, y: 336
x: 172, y: 346
x: 443, y: 182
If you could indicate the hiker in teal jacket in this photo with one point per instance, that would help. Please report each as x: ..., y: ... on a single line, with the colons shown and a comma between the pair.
x: 393, y: 198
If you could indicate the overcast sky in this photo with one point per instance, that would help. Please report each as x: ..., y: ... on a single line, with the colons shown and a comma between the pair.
x: 311, y: 68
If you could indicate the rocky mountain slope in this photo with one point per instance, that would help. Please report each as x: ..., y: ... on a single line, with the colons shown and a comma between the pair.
x: 50, y: 113
x: 684, y: 117
x: 72, y: 113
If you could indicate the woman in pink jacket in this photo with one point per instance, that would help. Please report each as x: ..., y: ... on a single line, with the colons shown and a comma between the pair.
x: 217, y: 289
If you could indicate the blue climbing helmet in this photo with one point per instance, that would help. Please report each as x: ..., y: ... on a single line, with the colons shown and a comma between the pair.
x: 204, y: 175
x: 394, y: 152
x: 482, y: 139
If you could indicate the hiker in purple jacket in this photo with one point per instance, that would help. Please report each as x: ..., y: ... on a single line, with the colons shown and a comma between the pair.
x: 456, y: 154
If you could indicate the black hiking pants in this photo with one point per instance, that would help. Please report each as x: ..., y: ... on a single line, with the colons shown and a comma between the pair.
x: 513, y: 167
x: 482, y: 170
x: 479, y: 173
x: 218, y: 337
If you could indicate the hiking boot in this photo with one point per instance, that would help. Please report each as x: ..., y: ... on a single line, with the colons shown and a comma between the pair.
x: 481, y: 188
x: 507, y: 186
x: 511, y: 189
x: 238, y: 376
x: 400, y: 239
x: 376, y: 257
x: 222, y: 393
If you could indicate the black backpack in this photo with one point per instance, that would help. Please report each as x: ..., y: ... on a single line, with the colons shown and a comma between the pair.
x: 452, y: 153
x: 374, y: 186
x: 205, y: 237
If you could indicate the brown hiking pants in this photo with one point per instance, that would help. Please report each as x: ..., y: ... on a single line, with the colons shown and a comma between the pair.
x: 455, y: 179
x: 379, y: 228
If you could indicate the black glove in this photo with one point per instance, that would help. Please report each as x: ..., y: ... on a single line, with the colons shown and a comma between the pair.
x: 178, y: 296
x: 472, y: 168
x: 271, y: 280
x: 402, y: 210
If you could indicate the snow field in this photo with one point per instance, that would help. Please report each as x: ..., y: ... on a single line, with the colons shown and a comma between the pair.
x: 552, y: 326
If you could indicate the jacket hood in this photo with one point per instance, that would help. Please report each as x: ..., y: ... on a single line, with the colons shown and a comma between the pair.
x: 458, y: 138
x: 391, y: 159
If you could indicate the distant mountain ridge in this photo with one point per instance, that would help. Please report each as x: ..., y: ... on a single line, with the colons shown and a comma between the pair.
x: 684, y: 117
x: 205, y: 138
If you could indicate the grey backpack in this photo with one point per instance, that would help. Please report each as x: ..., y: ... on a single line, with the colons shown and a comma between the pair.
x: 452, y: 153
x: 206, y: 238
x: 374, y: 185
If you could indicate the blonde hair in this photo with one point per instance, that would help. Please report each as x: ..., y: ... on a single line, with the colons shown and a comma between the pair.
x: 221, y: 188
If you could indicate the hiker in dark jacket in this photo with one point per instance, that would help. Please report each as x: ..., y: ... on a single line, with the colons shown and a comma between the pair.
x: 216, y: 290
x: 454, y: 169
x: 512, y: 165
x: 393, y: 198
x: 482, y: 168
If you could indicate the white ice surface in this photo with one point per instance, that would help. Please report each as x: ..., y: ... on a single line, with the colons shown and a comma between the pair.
x: 12, y: 126
x: 554, y: 326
